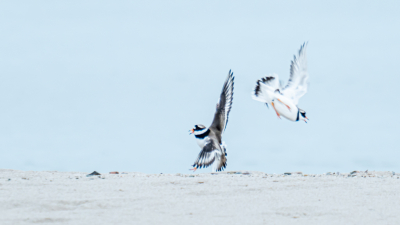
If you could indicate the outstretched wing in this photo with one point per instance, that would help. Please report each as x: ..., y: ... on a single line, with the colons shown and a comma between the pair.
x: 266, y: 88
x: 298, y: 81
x: 211, y: 153
x: 224, y: 106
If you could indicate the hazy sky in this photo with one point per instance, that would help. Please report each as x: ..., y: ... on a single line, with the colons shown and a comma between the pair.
x: 116, y: 85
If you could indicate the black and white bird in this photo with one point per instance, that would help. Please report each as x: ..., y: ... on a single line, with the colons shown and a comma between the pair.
x: 284, y: 100
x: 213, y: 150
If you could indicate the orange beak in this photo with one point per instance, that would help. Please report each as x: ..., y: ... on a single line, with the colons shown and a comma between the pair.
x: 191, y: 131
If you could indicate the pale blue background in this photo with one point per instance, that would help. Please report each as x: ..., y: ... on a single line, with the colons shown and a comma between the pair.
x: 116, y: 85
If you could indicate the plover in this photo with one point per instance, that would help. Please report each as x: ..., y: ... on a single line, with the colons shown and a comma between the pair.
x: 213, y: 150
x: 284, y: 100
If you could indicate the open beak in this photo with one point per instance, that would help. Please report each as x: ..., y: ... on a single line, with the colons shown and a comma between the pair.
x: 191, y: 131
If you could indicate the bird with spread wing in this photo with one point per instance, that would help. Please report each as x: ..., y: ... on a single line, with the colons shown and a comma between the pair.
x: 284, y: 100
x: 213, y: 150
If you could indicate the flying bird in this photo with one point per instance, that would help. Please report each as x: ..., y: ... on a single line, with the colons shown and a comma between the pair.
x: 213, y: 150
x: 284, y: 100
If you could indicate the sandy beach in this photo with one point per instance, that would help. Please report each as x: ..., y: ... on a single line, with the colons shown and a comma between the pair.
x: 236, y: 197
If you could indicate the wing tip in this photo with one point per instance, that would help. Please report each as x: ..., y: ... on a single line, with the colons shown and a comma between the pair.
x: 230, y: 73
x: 303, y: 48
x: 299, y: 57
x: 257, y: 89
x: 265, y: 80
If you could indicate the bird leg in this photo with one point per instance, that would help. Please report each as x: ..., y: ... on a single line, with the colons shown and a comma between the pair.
x: 284, y: 104
x: 194, y: 169
x: 273, y: 105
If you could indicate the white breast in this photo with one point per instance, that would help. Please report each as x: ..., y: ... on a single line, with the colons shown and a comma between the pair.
x: 285, y: 112
x: 201, y: 142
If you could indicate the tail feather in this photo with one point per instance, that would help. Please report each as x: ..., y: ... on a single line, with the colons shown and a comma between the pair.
x: 220, y: 162
x: 224, y: 147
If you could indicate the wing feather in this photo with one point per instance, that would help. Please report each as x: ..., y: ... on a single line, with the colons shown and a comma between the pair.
x: 298, y: 80
x: 211, y: 153
x: 266, y: 88
x: 224, y: 106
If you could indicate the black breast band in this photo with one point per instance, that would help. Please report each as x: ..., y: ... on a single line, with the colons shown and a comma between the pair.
x: 203, y: 135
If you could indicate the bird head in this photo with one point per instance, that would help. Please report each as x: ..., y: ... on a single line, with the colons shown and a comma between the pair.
x: 198, y: 128
x: 303, y: 115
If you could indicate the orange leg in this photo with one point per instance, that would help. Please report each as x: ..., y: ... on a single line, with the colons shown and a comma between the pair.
x: 284, y: 104
x: 273, y: 105
x: 194, y: 169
